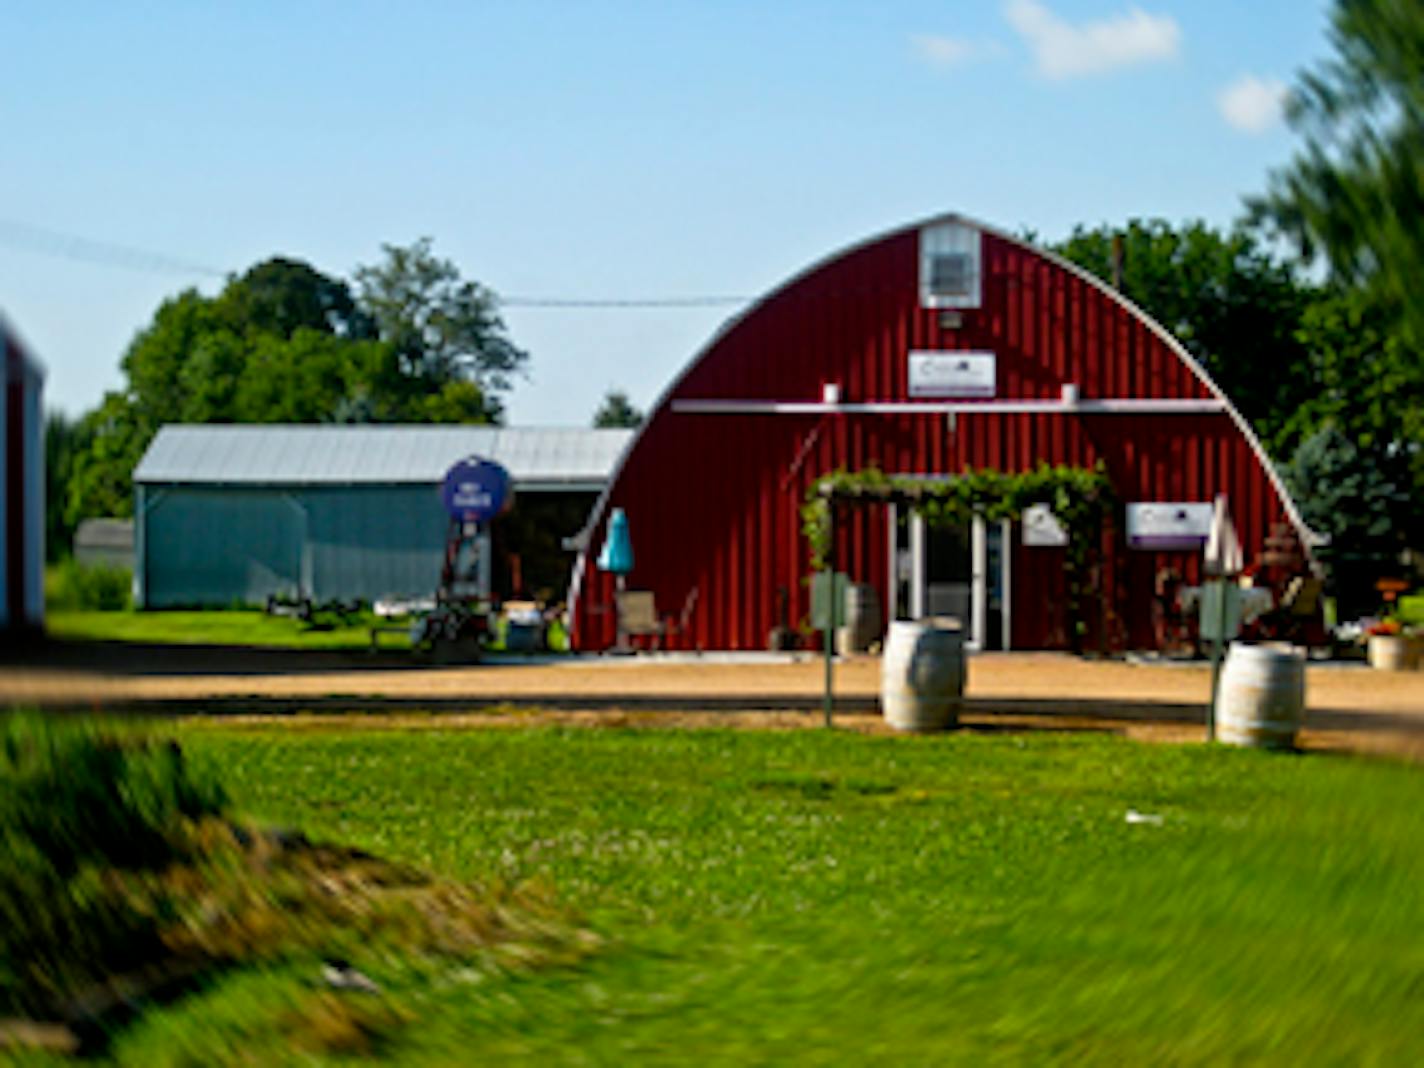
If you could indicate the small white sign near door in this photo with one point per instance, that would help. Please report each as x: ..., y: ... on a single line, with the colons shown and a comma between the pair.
x: 952, y: 374
x: 1041, y: 528
x: 1168, y: 525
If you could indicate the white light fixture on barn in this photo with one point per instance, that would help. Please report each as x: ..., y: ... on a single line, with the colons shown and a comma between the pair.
x: 830, y: 393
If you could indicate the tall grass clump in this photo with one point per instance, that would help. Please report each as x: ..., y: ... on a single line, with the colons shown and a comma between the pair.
x: 126, y: 883
x: 84, y: 809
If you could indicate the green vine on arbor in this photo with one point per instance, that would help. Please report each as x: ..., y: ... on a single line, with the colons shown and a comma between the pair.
x: 1081, y: 498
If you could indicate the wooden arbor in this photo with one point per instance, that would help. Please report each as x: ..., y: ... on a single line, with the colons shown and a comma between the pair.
x: 1081, y: 498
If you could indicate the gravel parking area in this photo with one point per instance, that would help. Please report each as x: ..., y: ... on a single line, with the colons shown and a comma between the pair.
x: 1350, y: 707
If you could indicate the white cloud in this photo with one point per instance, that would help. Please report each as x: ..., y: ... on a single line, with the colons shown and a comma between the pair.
x: 1063, y: 50
x: 1252, y: 104
x: 940, y: 50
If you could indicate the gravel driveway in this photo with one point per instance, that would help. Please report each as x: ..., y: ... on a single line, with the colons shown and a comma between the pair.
x: 1350, y: 706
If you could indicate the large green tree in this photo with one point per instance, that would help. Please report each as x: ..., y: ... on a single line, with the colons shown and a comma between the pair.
x: 280, y: 296
x: 286, y: 343
x: 1362, y: 500
x: 63, y: 443
x: 1354, y: 193
x: 444, y: 328
x: 1234, y: 306
x: 1362, y: 373
x: 113, y: 438
x: 1350, y: 201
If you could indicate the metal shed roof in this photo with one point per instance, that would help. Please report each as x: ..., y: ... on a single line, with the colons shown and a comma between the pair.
x: 536, y: 457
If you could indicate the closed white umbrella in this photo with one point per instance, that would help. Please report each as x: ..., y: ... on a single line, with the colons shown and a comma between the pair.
x: 1223, y: 557
x: 1222, y: 560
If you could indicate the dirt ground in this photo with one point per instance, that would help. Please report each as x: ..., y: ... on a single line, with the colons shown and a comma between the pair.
x: 1349, y: 707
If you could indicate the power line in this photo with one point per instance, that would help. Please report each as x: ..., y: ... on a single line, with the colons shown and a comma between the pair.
x: 623, y: 302
x: 46, y: 242
x: 27, y: 238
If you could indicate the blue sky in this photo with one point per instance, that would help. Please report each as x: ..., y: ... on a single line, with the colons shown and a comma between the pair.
x: 599, y: 150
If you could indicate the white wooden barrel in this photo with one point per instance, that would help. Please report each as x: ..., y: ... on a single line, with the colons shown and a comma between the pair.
x: 922, y: 675
x: 1262, y: 699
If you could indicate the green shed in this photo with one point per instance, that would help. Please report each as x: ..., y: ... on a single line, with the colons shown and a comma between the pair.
x: 234, y: 514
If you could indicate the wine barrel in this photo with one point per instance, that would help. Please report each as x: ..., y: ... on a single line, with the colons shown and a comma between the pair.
x: 1262, y: 700
x: 922, y: 675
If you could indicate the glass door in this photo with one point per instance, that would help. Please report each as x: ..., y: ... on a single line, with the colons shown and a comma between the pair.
x: 948, y: 575
x: 960, y: 572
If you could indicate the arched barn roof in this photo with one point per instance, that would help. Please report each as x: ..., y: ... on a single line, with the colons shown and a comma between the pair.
x: 736, y: 437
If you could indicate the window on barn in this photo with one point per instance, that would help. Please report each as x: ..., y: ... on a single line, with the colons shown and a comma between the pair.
x: 949, y: 266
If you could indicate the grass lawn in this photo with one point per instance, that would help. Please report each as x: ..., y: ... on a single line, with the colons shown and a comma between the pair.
x: 242, y: 627
x: 825, y: 897
x: 234, y: 627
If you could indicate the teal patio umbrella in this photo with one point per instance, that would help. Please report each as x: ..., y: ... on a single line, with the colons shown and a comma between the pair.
x: 616, y: 558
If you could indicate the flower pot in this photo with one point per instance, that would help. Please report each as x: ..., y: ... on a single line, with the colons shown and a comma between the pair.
x: 1390, y: 652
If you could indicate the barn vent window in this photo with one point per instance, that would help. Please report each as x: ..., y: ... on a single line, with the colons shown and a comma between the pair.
x: 951, y: 274
x: 949, y: 266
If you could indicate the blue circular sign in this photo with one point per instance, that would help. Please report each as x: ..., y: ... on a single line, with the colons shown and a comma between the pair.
x: 476, y: 490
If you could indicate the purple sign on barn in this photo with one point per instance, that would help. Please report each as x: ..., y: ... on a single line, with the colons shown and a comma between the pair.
x: 476, y: 490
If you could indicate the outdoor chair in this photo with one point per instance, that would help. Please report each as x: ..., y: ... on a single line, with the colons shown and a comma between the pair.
x: 1302, y: 596
x: 638, y: 616
x: 1300, y: 604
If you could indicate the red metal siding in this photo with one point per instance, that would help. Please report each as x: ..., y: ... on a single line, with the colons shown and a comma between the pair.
x: 713, y: 500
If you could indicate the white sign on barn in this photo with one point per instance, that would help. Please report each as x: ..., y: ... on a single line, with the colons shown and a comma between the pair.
x: 1168, y: 525
x: 952, y: 374
x: 1041, y: 528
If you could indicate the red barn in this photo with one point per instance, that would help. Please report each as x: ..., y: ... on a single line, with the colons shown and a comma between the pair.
x: 935, y: 348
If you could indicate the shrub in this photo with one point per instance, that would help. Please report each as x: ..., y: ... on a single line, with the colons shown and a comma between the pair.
x: 124, y: 881
x: 83, y: 807
x: 89, y: 587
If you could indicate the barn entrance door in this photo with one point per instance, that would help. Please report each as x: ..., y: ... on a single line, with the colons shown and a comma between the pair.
x: 959, y: 571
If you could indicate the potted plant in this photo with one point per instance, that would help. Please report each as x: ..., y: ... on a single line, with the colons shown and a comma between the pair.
x: 1389, y: 647
x: 1414, y: 635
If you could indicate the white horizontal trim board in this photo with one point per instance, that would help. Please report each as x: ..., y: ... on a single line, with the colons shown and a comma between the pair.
x: 1118, y: 406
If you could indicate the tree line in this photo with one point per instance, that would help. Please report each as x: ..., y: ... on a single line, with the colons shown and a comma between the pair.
x: 1305, y: 311
x: 407, y: 340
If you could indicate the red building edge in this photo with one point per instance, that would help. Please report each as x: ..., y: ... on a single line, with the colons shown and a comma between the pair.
x: 21, y: 487
x: 932, y: 349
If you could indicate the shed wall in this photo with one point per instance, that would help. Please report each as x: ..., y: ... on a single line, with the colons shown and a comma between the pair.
x: 367, y: 544
x: 222, y: 545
